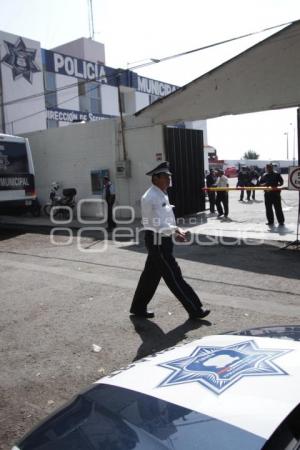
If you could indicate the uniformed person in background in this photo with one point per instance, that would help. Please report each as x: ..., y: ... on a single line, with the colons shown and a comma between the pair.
x: 272, y: 198
x: 110, y: 197
x: 210, y: 182
x: 160, y: 226
x: 244, y: 181
x: 222, y: 196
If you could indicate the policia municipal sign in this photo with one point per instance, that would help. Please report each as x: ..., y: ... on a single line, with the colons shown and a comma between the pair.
x: 294, y: 178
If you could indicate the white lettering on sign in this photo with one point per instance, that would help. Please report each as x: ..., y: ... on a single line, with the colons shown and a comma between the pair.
x: 69, y: 66
x: 79, y: 68
x: 14, y: 182
x: 90, y: 71
x: 154, y: 87
x: 62, y: 116
x: 95, y: 118
x: 71, y: 116
x: 58, y: 62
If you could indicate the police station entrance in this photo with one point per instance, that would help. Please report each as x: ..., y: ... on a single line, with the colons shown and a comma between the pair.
x: 184, y: 151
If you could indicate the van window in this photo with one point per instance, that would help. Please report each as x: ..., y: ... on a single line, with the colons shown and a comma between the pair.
x: 13, y: 158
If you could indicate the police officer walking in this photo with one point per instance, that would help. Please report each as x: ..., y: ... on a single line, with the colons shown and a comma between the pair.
x: 272, y: 198
x: 160, y: 228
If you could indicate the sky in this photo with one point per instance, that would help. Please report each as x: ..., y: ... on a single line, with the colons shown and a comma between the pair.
x: 134, y: 31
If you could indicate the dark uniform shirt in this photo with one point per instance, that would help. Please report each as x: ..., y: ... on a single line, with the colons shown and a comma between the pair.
x: 210, y: 180
x: 243, y: 179
x: 273, y: 179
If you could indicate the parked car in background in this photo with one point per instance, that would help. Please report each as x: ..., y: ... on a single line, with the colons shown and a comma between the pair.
x: 237, y: 391
x: 231, y: 172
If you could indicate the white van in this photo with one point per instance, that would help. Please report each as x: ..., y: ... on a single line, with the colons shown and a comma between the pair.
x: 17, y: 179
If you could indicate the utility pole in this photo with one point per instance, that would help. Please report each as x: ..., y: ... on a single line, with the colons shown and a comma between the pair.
x: 91, y: 19
x: 121, y: 117
x: 287, y: 144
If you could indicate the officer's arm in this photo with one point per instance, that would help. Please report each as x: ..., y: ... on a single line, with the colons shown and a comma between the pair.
x: 262, y: 181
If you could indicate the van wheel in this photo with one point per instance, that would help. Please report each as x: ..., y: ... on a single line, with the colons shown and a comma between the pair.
x: 47, y: 210
x: 35, y: 211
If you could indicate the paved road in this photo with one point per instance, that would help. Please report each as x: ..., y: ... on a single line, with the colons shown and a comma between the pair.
x: 59, y: 300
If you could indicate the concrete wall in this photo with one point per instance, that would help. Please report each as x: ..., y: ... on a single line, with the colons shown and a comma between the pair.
x: 67, y: 155
x: 83, y: 48
x: 141, y: 100
x: 143, y: 141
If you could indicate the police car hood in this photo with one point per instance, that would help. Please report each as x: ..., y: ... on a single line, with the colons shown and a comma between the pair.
x: 250, y: 383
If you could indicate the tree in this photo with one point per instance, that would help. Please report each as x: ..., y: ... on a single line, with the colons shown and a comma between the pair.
x: 250, y: 154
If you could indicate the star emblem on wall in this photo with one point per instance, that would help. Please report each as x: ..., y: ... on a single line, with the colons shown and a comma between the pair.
x: 218, y: 368
x: 21, y: 60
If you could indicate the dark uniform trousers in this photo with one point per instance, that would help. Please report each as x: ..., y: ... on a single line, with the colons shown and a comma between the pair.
x: 212, y: 201
x: 161, y: 263
x: 273, y: 199
x: 110, y: 200
x: 222, y: 198
x: 248, y: 193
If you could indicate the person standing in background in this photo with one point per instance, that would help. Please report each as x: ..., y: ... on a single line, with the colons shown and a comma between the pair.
x: 272, y: 198
x: 110, y: 197
x: 222, y: 196
x: 210, y: 182
x: 253, y: 180
x: 244, y: 181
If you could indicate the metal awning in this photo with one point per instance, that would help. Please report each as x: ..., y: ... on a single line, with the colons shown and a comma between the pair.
x: 264, y: 77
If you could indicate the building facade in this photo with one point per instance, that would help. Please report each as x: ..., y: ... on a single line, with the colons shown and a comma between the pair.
x: 42, y: 89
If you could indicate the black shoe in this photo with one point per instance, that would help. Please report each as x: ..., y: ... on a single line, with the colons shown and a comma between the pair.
x: 144, y: 314
x: 270, y: 223
x: 220, y: 215
x: 281, y: 224
x: 200, y: 315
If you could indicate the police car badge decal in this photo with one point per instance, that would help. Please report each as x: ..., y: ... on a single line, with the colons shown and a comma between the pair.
x: 218, y: 368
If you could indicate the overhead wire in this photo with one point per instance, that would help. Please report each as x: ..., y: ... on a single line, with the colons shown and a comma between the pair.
x: 58, y: 104
x: 114, y: 76
x: 226, y: 41
x: 151, y: 62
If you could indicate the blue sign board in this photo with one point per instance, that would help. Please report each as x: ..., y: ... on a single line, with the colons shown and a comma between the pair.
x: 87, y: 70
x: 68, y: 115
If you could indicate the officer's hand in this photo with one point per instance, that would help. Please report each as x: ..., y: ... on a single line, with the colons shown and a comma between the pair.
x: 180, y: 235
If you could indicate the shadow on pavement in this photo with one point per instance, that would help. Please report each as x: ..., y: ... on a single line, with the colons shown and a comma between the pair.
x: 266, y: 258
x: 6, y: 233
x: 154, y: 339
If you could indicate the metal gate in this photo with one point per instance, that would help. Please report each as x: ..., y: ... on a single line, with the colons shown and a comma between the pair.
x: 184, y: 151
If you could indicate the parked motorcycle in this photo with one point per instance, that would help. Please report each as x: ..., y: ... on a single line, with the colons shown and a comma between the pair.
x: 67, y: 200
